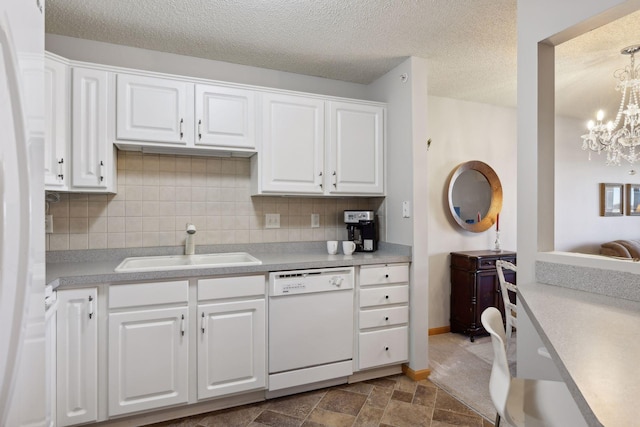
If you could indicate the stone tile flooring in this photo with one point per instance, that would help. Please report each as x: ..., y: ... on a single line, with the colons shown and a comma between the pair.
x: 395, y: 401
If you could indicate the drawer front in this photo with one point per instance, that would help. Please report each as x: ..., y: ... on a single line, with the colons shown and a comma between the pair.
x: 384, y: 296
x: 384, y: 347
x: 387, y: 316
x: 140, y: 294
x: 231, y: 287
x: 383, y: 274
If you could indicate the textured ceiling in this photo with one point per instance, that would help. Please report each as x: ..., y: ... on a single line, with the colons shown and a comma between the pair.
x: 470, y: 45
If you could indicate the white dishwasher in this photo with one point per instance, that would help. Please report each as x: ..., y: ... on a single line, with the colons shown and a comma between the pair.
x: 310, y: 328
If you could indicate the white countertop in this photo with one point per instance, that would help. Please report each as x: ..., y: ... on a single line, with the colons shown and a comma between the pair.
x: 595, y: 342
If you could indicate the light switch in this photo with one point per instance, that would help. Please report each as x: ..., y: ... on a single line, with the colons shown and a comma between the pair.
x: 272, y: 221
x: 406, y: 209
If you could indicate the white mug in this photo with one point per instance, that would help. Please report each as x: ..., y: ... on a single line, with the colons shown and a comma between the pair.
x: 332, y: 247
x: 348, y: 247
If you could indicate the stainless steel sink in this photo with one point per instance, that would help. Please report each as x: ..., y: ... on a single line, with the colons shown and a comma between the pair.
x: 183, y: 262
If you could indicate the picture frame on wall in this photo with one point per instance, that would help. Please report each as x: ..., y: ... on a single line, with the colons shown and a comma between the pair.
x: 611, y: 199
x: 633, y: 199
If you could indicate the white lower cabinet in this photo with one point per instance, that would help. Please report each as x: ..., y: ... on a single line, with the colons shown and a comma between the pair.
x: 148, y: 346
x: 383, y: 315
x: 231, y: 335
x: 231, y: 347
x: 148, y: 359
x: 77, y: 356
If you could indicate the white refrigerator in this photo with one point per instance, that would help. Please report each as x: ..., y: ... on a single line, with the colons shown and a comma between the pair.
x: 22, y: 331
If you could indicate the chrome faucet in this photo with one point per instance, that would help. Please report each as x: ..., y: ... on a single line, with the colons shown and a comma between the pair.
x: 190, y: 244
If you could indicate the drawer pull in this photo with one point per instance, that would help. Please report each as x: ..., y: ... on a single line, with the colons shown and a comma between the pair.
x: 386, y: 297
x: 386, y: 349
x: 386, y: 318
x: 386, y: 276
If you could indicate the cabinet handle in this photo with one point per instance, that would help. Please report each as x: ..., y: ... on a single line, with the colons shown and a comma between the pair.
x: 60, y: 171
x: 386, y: 318
x: 199, y: 129
x: 386, y: 349
x: 181, y: 132
x: 386, y: 297
x: 335, y: 180
x: 182, y: 326
x: 90, y: 307
x: 386, y: 276
x: 202, y: 323
x: 101, y: 171
x: 320, y: 175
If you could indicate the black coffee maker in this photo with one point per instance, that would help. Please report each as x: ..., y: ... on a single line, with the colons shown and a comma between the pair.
x: 362, y: 230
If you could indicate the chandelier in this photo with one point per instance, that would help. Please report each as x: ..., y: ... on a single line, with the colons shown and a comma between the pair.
x: 619, y: 143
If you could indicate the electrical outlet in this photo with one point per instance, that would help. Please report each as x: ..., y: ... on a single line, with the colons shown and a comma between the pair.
x: 315, y: 220
x: 272, y: 221
x: 48, y: 224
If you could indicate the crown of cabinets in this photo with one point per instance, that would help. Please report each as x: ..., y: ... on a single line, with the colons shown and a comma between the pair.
x: 299, y: 144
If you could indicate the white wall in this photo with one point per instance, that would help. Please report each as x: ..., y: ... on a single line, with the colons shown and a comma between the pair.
x: 161, y: 62
x: 461, y: 131
x: 578, y: 224
x: 406, y: 177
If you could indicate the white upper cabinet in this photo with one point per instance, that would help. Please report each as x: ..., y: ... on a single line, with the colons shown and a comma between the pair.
x: 93, y: 160
x: 316, y: 147
x: 355, y: 148
x: 225, y: 117
x: 56, y: 133
x: 166, y: 114
x: 154, y: 109
x: 292, y: 154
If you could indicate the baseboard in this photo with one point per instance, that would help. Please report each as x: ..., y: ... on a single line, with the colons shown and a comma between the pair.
x: 422, y: 374
x: 440, y: 330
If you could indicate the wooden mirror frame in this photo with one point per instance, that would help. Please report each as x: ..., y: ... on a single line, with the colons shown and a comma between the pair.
x: 496, y: 195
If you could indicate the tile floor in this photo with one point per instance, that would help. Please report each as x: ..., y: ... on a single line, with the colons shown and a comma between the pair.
x: 394, y: 401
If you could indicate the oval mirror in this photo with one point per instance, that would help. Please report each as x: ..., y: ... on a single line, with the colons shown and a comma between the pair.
x: 475, y: 196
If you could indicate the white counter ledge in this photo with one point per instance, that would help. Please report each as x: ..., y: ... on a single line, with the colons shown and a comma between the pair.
x: 595, y: 341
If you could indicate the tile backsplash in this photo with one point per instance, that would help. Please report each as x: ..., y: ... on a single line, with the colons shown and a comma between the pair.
x: 159, y: 194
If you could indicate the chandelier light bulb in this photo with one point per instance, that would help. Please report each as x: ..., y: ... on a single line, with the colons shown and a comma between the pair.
x: 600, y: 115
x: 590, y: 124
x: 610, y: 126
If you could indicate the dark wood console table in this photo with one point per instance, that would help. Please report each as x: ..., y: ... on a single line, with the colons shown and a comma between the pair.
x: 474, y: 287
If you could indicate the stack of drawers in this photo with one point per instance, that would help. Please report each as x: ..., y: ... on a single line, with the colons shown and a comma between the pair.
x: 383, y: 316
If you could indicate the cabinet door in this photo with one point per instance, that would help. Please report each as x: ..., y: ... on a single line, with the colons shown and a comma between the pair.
x: 92, y: 152
x: 292, y: 145
x: 77, y: 356
x: 231, y: 347
x: 148, y: 359
x: 153, y: 109
x: 56, y: 131
x: 225, y: 117
x: 355, y: 149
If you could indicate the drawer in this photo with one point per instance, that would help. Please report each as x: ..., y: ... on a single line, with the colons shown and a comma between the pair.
x: 384, y: 347
x: 155, y: 293
x: 383, y: 274
x: 387, y: 316
x: 231, y: 287
x: 384, y: 296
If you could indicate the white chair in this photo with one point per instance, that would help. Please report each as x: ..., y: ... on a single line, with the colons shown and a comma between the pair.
x: 522, y: 401
x: 510, y: 309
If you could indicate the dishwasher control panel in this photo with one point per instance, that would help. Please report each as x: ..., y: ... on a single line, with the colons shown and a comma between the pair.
x: 308, y: 281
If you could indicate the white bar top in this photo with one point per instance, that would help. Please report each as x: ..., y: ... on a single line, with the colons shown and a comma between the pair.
x: 595, y: 342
